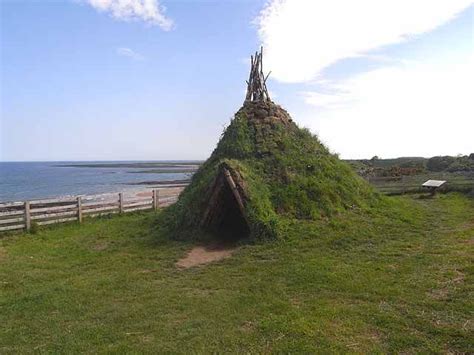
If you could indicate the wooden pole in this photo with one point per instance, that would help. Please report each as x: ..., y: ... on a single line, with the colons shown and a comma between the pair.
x: 27, y: 216
x: 235, y: 191
x: 156, y: 199
x: 120, y: 202
x: 79, y: 209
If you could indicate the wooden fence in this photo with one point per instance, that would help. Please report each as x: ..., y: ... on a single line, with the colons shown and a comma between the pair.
x: 22, y: 215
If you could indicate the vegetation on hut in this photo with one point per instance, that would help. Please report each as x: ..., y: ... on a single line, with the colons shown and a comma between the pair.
x: 263, y: 167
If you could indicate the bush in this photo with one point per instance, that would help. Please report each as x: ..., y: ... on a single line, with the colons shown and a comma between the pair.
x: 440, y: 163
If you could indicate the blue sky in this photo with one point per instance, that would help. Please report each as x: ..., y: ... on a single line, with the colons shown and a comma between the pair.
x: 88, y: 80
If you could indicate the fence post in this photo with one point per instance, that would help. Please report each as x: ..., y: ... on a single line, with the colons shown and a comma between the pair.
x: 120, y: 202
x: 156, y: 199
x: 27, y: 216
x: 79, y: 209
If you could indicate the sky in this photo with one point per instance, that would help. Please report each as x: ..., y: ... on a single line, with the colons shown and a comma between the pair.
x: 160, y: 80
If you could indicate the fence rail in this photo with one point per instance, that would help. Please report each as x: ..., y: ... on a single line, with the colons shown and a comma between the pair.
x: 22, y: 214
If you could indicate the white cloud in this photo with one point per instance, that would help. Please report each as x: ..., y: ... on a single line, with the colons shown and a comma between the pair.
x: 302, y: 37
x: 404, y: 107
x: 127, y: 52
x: 411, y: 109
x: 149, y: 11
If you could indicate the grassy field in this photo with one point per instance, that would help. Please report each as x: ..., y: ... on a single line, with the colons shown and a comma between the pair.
x: 460, y: 181
x: 384, y: 282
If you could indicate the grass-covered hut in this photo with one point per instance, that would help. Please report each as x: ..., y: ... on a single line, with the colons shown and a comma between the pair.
x: 264, y: 168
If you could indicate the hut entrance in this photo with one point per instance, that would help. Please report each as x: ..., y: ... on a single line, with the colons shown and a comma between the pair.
x: 224, y: 215
x: 231, y: 224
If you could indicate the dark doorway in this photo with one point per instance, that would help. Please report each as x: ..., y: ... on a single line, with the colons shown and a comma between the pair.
x: 227, y: 221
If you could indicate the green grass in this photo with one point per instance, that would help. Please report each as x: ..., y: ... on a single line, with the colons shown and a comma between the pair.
x: 398, y: 281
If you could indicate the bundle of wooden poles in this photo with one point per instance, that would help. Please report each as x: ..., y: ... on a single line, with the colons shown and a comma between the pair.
x: 256, y: 85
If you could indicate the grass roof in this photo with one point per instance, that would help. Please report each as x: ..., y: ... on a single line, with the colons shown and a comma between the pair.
x: 279, y: 169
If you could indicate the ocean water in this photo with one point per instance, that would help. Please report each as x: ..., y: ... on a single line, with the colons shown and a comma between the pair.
x: 32, y: 180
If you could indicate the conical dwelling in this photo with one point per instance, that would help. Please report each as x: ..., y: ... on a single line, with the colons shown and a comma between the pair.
x: 264, y: 170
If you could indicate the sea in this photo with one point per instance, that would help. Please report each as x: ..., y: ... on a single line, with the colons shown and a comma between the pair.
x: 20, y: 181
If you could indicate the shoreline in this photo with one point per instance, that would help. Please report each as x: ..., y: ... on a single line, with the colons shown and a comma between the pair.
x: 143, y: 165
x: 139, y: 190
x: 145, y: 191
x: 33, y: 181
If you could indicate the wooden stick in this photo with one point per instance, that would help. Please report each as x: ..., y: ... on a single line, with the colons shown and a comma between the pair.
x: 27, y: 216
x: 11, y: 220
x: 108, y: 208
x: 155, y: 199
x: 120, y: 202
x: 79, y: 209
x: 13, y: 227
x: 267, y: 76
x: 53, y: 215
x: 235, y: 191
x: 54, y: 208
x: 256, y: 85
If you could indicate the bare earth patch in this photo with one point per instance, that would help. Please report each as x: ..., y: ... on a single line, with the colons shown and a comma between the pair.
x: 206, y: 254
x: 100, y: 246
x: 3, y: 254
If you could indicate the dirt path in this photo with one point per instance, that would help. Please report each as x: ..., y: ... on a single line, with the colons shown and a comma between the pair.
x: 201, y: 255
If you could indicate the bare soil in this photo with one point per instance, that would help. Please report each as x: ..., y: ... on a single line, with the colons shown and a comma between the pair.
x: 201, y: 255
x: 3, y: 254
